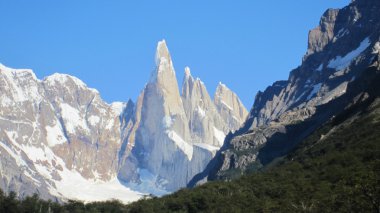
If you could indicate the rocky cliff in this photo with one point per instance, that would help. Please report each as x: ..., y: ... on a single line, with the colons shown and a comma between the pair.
x: 176, y: 134
x: 344, y: 44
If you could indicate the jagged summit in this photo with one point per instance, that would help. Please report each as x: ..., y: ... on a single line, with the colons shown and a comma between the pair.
x: 162, y: 52
x: 187, y: 72
x: 229, y: 105
x: 63, y: 78
x: 164, y: 72
x: 70, y: 135
x: 17, y: 72
x: 340, y: 50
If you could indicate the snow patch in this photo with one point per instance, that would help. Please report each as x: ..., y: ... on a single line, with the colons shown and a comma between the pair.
x: 316, y: 88
x: 220, y: 136
x: 72, y: 118
x: 13, y: 154
x: 150, y: 183
x: 340, y: 63
x: 300, y: 96
x: 167, y: 122
x: 207, y: 147
x: 71, y: 184
x: 5, y: 101
x: 226, y: 105
x: 93, y: 120
x: 74, y: 186
x: 62, y: 79
x: 222, y: 85
x: 319, y: 69
x: 201, y: 112
x: 342, y: 32
x: 16, y: 79
x: 110, y: 124
x: 118, y: 107
x: 376, y: 48
x: 54, y: 135
x: 181, y: 144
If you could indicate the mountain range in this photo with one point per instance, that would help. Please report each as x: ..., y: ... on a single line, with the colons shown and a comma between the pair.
x: 59, y: 139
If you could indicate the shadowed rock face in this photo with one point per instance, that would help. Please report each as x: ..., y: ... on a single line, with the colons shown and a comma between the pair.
x: 345, y: 43
x: 56, y: 131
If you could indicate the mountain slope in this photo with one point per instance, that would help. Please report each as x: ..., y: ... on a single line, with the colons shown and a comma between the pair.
x: 56, y: 134
x: 58, y: 137
x: 344, y: 44
x: 335, y: 169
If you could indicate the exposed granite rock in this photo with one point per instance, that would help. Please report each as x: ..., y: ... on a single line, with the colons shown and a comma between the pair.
x: 343, y: 45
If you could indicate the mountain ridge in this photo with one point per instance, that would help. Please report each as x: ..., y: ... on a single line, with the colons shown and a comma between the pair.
x: 78, y: 136
x: 339, y: 49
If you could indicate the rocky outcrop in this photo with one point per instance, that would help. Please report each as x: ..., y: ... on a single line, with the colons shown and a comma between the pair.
x: 339, y: 49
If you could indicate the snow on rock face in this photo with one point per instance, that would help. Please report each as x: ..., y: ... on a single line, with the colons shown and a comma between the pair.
x: 319, y: 69
x: 376, y: 48
x: 72, y: 118
x: 13, y: 154
x: 118, y: 107
x: 183, y: 145
x: 62, y: 79
x: 50, y: 114
x: 207, y: 147
x: 55, y: 135
x: 69, y: 184
x: 220, y: 136
x: 340, y: 63
x: 19, y: 85
x: 175, y: 136
x: 93, y: 120
x: 167, y: 122
x: 150, y: 183
x: 316, y: 88
x: 75, y: 144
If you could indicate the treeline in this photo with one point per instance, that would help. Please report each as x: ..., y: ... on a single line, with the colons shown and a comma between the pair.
x: 336, y: 169
x: 33, y: 204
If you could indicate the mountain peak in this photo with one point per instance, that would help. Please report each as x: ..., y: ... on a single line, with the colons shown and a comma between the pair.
x: 187, y: 72
x: 162, y: 52
x: 164, y: 65
x: 228, y: 103
x: 63, y: 79
x: 221, y: 88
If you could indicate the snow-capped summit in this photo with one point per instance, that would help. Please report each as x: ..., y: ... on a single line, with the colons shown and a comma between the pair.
x: 55, y: 131
x: 57, y: 134
x: 187, y: 72
x: 164, y: 71
x: 162, y: 52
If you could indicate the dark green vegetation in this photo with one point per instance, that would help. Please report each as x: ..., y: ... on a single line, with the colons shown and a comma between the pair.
x: 10, y: 204
x: 336, y: 169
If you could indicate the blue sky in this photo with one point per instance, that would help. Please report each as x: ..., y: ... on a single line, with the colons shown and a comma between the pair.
x: 110, y: 45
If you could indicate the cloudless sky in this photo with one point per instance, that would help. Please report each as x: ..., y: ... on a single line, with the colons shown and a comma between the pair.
x: 110, y: 45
